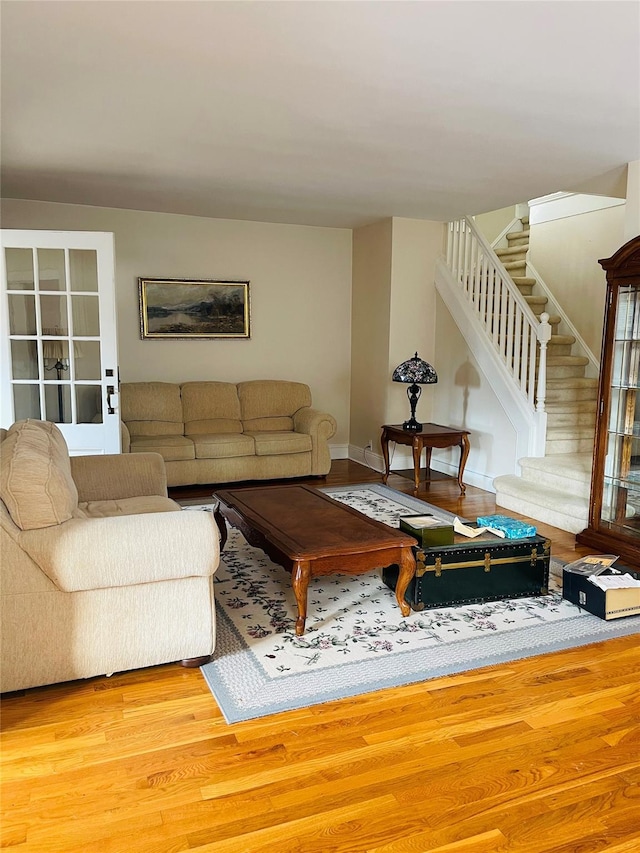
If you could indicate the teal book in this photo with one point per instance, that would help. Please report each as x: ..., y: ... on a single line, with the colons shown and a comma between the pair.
x: 511, y: 527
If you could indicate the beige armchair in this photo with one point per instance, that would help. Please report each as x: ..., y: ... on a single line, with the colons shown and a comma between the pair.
x: 100, y: 571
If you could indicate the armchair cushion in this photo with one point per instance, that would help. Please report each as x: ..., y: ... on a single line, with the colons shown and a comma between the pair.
x: 35, y: 479
x: 125, y: 506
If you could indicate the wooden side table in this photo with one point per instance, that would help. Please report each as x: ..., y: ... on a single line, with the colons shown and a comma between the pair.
x: 430, y: 436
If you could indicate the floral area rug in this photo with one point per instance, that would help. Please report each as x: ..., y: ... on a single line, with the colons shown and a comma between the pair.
x: 356, y: 639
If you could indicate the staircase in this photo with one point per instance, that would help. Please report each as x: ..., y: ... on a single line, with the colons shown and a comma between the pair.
x: 553, y: 488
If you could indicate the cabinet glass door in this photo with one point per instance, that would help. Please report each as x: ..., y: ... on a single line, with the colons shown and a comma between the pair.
x: 58, y: 322
x: 621, y: 482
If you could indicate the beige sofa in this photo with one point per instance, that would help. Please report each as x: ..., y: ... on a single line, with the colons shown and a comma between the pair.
x: 220, y: 432
x: 100, y: 571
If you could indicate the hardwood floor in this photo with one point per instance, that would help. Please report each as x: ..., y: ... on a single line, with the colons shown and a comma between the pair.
x: 533, y: 756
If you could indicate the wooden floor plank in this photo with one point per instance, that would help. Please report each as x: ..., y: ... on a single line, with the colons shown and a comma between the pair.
x: 540, y: 755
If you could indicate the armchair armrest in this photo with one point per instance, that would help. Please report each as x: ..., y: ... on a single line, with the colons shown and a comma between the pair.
x: 125, y: 550
x: 125, y: 438
x: 129, y: 475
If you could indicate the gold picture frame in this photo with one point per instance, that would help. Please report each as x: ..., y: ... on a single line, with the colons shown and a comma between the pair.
x: 194, y: 309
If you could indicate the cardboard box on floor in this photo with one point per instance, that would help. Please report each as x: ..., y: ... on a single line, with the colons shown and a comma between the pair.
x: 607, y: 604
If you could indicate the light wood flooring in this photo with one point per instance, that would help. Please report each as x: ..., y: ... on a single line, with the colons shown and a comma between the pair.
x: 528, y: 757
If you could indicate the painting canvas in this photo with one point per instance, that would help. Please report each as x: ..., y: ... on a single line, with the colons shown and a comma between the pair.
x: 181, y: 308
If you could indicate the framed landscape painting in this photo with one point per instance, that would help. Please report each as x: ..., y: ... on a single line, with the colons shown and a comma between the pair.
x: 182, y: 308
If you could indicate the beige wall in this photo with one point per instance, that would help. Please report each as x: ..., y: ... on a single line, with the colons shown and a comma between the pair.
x: 416, y: 246
x: 565, y: 252
x: 493, y: 223
x: 632, y: 211
x: 393, y: 307
x: 300, y: 295
x: 370, y: 307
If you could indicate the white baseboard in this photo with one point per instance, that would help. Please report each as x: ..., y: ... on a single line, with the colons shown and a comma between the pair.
x: 339, y: 451
x: 366, y: 457
x: 402, y: 462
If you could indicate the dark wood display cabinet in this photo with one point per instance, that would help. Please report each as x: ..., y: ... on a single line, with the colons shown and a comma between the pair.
x: 614, y: 510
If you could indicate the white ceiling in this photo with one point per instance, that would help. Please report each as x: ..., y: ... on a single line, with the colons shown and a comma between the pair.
x: 320, y: 113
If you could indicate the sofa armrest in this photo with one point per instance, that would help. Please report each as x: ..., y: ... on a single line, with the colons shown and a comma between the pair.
x: 129, y: 475
x: 125, y: 550
x: 321, y: 427
x: 314, y: 423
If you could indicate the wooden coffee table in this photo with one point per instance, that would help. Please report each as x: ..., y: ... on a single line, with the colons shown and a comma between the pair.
x: 311, y: 534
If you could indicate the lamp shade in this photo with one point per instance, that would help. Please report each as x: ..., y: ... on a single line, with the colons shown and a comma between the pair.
x: 415, y: 370
x: 55, y: 350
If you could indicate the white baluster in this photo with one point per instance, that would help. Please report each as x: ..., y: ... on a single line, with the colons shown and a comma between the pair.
x: 544, y: 336
x: 454, y: 248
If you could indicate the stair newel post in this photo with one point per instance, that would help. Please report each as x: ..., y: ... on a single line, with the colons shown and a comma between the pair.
x: 544, y: 336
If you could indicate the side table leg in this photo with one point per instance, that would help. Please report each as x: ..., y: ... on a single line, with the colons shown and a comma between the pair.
x: 384, y: 442
x: 428, y: 454
x: 407, y: 571
x: 300, y: 575
x: 417, y: 453
x: 464, y: 452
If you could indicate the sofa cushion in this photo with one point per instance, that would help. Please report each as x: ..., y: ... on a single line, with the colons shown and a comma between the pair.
x: 35, y: 479
x: 277, y: 443
x: 173, y: 448
x: 272, y: 398
x: 268, y: 424
x: 210, y: 407
x: 151, y: 408
x: 223, y: 445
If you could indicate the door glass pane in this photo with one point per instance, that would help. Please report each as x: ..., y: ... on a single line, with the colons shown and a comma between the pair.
x: 51, y: 269
x: 89, y: 404
x: 57, y: 401
x: 26, y: 402
x: 24, y: 360
x: 87, y: 359
x: 19, y: 269
x: 53, y: 315
x: 83, y: 269
x: 86, y: 319
x: 56, y: 359
x: 22, y: 315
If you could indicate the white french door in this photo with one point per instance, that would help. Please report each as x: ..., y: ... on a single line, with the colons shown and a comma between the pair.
x: 58, y: 325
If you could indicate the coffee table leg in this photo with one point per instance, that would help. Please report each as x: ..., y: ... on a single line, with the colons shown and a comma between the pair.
x: 407, y: 571
x: 222, y: 526
x: 300, y: 575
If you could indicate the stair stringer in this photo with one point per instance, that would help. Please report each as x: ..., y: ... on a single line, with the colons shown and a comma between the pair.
x: 529, y: 425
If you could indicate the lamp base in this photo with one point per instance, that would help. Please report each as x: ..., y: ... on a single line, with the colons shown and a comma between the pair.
x: 412, y: 424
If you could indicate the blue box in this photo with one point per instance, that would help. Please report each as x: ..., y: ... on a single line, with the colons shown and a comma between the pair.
x: 511, y: 527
